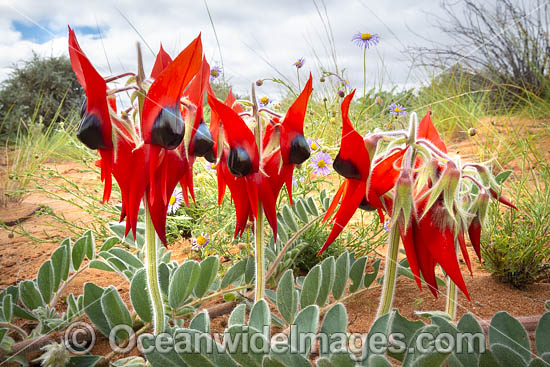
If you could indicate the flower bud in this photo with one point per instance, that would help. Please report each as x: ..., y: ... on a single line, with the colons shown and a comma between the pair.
x: 472, y: 131
x: 259, y: 82
x: 322, y: 79
x: 403, y: 204
x: 341, y: 93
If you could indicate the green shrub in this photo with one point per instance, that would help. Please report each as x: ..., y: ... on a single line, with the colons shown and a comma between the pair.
x: 39, y: 86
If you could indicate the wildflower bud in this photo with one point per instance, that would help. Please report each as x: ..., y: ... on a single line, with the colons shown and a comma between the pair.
x: 322, y: 79
x: 10, y: 235
x: 332, y: 120
x: 325, y: 99
x: 371, y: 143
x: 379, y: 101
x: 472, y: 131
x: 341, y: 93
x: 259, y: 82
x: 403, y: 199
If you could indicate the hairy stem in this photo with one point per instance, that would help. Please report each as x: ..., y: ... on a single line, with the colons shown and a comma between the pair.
x: 364, y: 71
x: 452, y: 294
x: 390, y: 273
x: 152, y: 272
x: 259, y: 234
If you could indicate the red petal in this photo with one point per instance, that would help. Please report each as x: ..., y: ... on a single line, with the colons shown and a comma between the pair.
x: 383, y: 178
x: 162, y: 61
x: 352, y: 147
x: 462, y: 244
x: 355, y: 192
x: 503, y: 199
x: 169, y: 85
x: 335, y: 200
x: 106, y: 168
x: 474, y: 232
x: 427, y: 130
x: 408, y: 243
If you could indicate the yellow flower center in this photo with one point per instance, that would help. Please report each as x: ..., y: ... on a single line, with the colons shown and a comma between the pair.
x: 313, y: 146
x: 366, y: 36
x: 264, y: 100
x: 213, y: 166
x: 172, y: 200
x: 397, y: 109
x: 214, y: 73
x: 321, y: 163
x: 298, y: 63
x: 201, y: 240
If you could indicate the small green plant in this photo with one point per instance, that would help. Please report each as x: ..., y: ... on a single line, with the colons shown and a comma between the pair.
x: 516, y: 246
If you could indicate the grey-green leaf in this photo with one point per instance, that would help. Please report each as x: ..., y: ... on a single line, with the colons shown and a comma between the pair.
x: 356, y: 273
x: 307, y: 322
x: 79, y: 252
x: 92, y: 307
x: 182, y: 283
x: 139, y: 296
x: 286, y: 297
x: 508, y: 331
x: 234, y: 273
x: 237, y: 315
x: 310, y: 288
x: 115, y: 311
x: 328, y: 270
x: 542, y: 334
x: 44, y: 280
x: 340, y: 275
x: 208, y: 271
x: 29, y: 295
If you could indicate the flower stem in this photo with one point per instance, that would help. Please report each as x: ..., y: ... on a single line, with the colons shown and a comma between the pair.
x: 298, y: 74
x: 152, y: 272
x: 364, y: 71
x: 452, y: 294
x: 390, y: 273
x: 259, y: 234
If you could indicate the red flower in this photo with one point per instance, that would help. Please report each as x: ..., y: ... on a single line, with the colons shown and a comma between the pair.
x: 250, y: 179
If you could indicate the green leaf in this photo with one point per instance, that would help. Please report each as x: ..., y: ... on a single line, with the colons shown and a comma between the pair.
x: 307, y: 322
x: 3, y: 332
x: 356, y: 273
x: 312, y: 207
x: 402, y: 326
x: 164, y: 278
x: 301, y: 210
x: 237, y: 315
x: 289, y: 219
x: 286, y: 302
x: 115, y: 311
x: 260, y: 317
x: 101, y: 265
x: 334, y: 323
x: 466, y: 357
x: 109, y: 243
x: 234, y: 273
x: 468, y: 325
x: 90, y: 244
x: 542, y: 334
x: 72, y: 307
x: 371, y: 277
x: 67, y: 267
x: 157, y: 358
x: 182, y: 283
x: 378, y: 361
x: 92, y: 307
x: 208, y: 272
x: 508, y: 331
x: 250, y: 271
x: 201, y: 322
x: 310, y: 288
x: 59, y: 262
x: 79, y: 251
x: 537, y: 362
x: 203, y: 355
x: 341, y: 275
x: 83, y: 361
x: 127, y: 257
x: 44, y: 280
x: 29, y: 295
x: 502, y: 176
x: 240, y: 354
x: 7, y: 308
x: 119, y: 228
x: 328, y: 270
x: 507, y: 357
x: 139, y: 296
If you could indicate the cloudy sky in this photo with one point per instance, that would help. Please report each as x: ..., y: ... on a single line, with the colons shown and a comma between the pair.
x: 258, y: 39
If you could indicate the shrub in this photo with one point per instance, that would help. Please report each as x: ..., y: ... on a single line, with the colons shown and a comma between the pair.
x: 38, y: 87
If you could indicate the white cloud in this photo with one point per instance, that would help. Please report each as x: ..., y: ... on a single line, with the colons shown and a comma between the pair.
x: 281, y: 32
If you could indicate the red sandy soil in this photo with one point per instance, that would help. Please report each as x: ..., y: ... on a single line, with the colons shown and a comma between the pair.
x: 20, y: 258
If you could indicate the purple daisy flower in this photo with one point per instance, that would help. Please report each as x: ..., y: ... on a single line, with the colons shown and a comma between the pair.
x: 215, y: 72
x: 200, y: 241
x: 365, y: 39
x: 320, y: 164
x: 264, y: 101
x: 397, y: 110
x: 387, y: 226
x: 299, y: 63
x: 175, y: 201
x: 314, y: 145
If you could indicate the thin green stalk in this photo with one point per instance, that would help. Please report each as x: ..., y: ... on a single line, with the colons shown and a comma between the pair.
x: 364, y: 71
x: 298, y: 74
x: 259, y: 234
x: 390, y: 273
x: 152, y: 272
x: 452, y: 294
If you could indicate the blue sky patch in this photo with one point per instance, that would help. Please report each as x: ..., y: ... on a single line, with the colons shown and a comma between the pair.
x: 41, y: 33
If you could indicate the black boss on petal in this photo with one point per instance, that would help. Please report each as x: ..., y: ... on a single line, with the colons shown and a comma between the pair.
x: 210, y: 156
x: 89, y: 132
x: 239, y: 162
x: 202, y: 142
x: 345, y: 168
x: 365, y: 205
x: 299, y: 150
x: 168, y: 128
